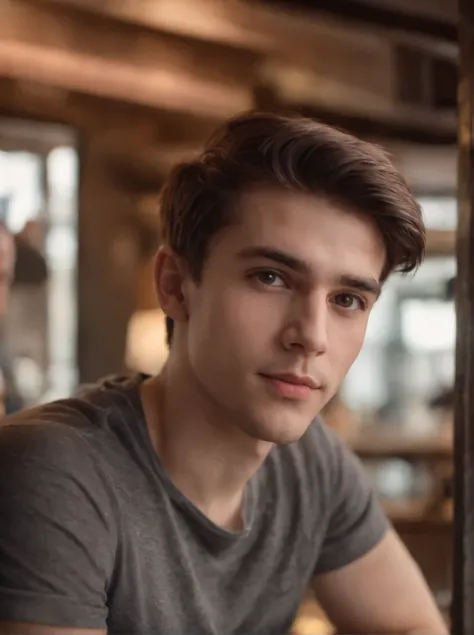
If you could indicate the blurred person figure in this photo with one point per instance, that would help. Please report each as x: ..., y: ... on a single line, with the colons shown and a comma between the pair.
x: 11, y: 398
x: 30, y: 266
x: 7, y: 266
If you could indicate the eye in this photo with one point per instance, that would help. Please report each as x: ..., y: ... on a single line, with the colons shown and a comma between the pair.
x: 350, y: 302
x: 269, y: 278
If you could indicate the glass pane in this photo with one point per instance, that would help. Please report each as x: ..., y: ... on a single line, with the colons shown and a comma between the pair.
x: 440, y: 212
x: 38, y: 203
x: 20, y: 188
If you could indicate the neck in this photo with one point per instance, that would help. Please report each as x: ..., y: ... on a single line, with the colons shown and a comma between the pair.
x: 207, y: 457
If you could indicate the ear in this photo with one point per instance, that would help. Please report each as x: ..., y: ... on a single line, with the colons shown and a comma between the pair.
x: 170, y: 275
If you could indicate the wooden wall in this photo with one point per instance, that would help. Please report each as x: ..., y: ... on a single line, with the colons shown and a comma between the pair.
x: 143, y: 84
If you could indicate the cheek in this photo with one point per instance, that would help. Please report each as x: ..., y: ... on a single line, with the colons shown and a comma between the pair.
x: 234, y: 324
x: 347, y: 342
x: 224, y: 346
x: 257, y: 315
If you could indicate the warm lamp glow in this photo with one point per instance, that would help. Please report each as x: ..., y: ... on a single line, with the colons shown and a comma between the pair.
x: 146, y: 349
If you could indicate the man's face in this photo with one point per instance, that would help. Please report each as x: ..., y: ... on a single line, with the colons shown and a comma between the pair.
x: 281, y: 310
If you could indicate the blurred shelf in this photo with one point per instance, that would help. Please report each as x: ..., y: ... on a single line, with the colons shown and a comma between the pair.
x: 440, y: 242
x: 416, y: 514
x: 385, y: 445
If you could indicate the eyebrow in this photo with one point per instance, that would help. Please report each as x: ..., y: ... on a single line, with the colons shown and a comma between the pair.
x: 276, y: 255
x: 359, y: 283
x: 368, y: 285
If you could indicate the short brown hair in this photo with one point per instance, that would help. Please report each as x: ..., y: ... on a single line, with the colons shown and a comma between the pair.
x: 298, y: 154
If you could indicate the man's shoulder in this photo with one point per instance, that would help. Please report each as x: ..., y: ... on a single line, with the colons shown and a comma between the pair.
x: 67, y: 426
x: 53, y: 436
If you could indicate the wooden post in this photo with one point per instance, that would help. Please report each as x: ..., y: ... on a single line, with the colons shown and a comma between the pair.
x: 108, y: 264
x: 463, y: 583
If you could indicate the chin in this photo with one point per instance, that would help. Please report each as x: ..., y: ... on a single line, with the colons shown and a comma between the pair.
x: 279, y: 430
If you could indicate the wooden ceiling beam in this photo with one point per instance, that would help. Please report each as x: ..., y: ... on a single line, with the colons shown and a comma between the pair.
x: 158, y: 88
x: 78, y: 53
x: 394, y: 15
x: 390, y: 128
x: 445, y: 11
x: 325, y: 53
x: 257, y: 26
x: 358, y: 111
x: 62, y: 55
x: 60, y: 27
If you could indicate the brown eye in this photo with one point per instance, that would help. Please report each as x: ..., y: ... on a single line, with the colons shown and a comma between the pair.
x: 349, y: 301
x: 269, y: 278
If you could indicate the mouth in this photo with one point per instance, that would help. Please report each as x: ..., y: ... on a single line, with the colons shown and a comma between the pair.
x: 290, y: 386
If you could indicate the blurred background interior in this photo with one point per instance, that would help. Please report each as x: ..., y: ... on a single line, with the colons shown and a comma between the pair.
x: 98, y: 98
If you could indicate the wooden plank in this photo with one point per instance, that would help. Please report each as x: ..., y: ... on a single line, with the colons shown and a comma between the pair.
x: 91, y: 53
x: 295, y: 85
x: 428, y: 169
x: 250, y: 25
x: 60, y: 28
x: 441, y: 10
x: 108, y: 261
x: 328, y: 51
x: 361, y: 11
x: 463, y: 587
x: 201, y: 19
x: 158, y: 88
x: 440, y: 242
x: 391, y: 125
x: 373, y: 445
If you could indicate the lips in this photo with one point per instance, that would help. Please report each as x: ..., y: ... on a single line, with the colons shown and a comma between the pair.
x: 296, y: 380
x: 290, y: 386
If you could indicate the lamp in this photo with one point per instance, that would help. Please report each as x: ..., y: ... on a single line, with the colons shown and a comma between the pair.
x: 146, y: 349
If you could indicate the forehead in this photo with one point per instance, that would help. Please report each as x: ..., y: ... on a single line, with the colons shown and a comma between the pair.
x: 320, y: 232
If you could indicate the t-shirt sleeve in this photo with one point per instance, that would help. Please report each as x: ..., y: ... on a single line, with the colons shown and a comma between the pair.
x: 57, y: 541
x: 357, y: 522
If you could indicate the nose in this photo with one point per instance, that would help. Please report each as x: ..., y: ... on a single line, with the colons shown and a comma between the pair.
x: 307, y: 329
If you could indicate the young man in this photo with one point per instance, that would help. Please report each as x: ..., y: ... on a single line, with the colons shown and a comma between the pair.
x: 206, y: 499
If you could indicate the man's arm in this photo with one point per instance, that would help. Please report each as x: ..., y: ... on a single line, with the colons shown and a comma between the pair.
x: 364, y: 577
x: 57, y: 537
x: 381, y: 592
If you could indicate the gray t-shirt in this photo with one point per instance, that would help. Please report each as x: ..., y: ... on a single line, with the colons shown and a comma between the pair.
x: 93, y: 534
